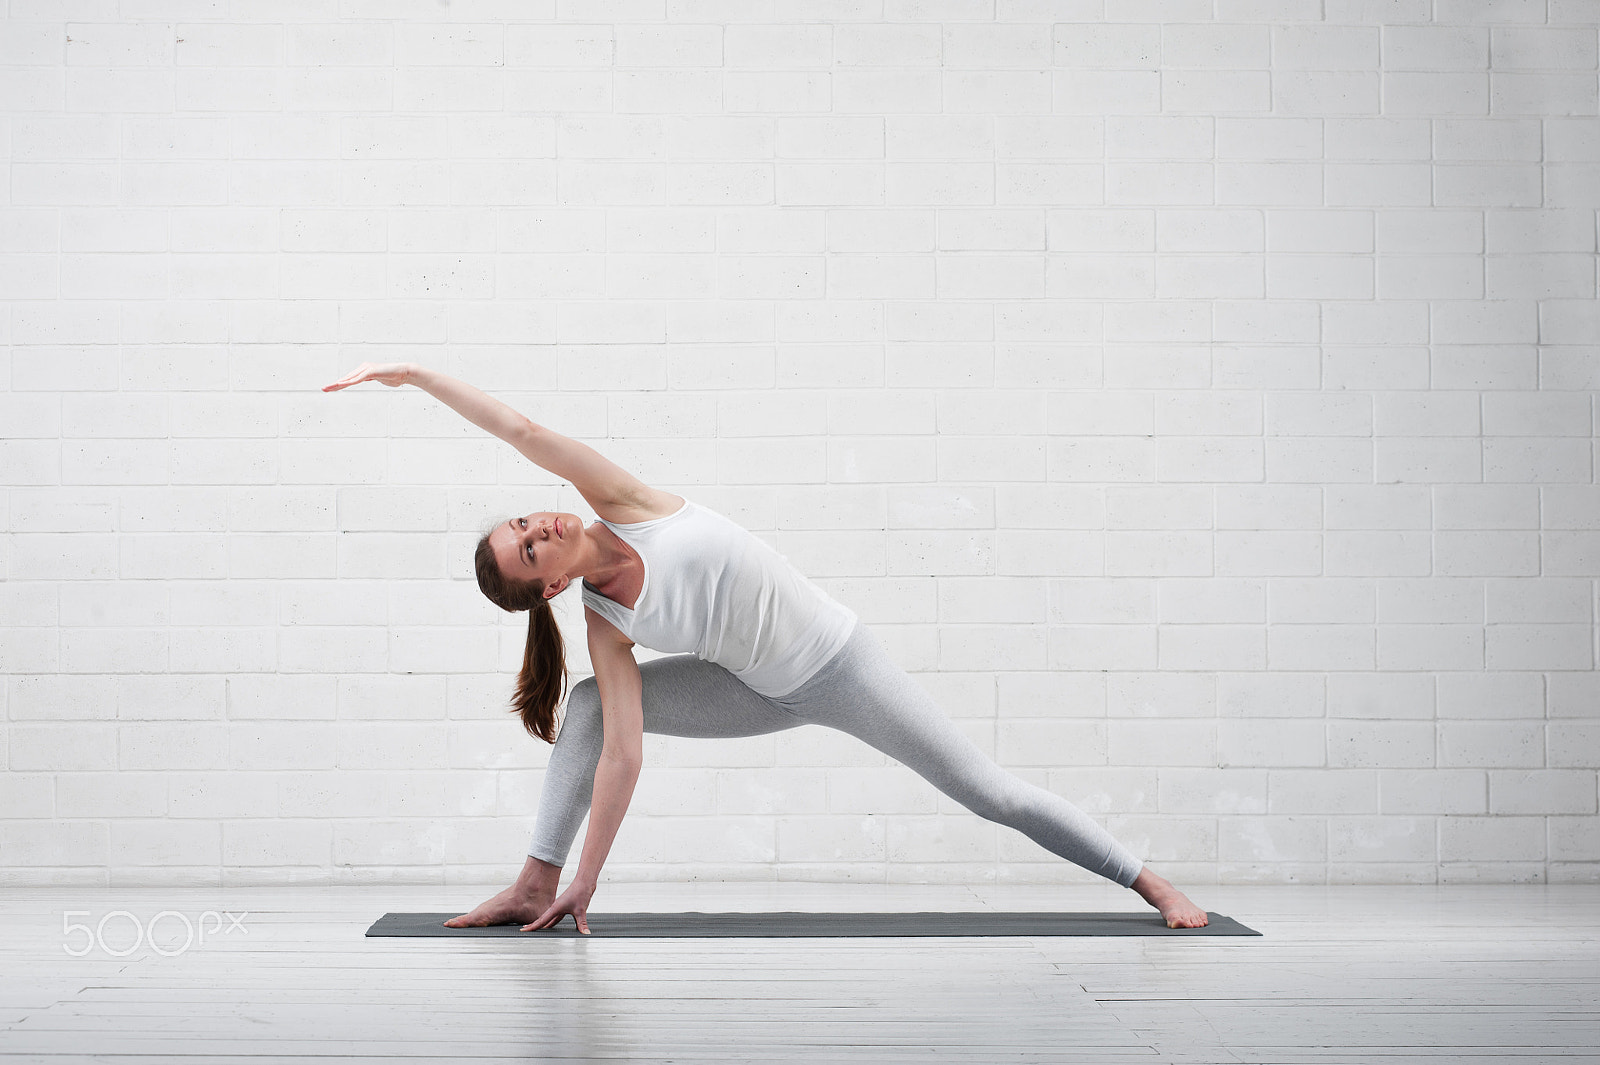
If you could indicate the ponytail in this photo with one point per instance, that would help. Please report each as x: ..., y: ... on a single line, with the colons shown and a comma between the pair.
x: 542, y: 681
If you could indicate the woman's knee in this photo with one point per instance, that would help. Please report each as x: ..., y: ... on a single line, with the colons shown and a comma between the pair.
x: 997, y: 797
x: 582, y: 714
x: 586, y: 691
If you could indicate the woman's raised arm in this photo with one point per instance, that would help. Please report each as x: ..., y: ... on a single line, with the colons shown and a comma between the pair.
x: 478, y: 407
x: 602, y: 482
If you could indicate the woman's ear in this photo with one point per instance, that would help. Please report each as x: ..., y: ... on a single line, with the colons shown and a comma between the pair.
x: 556, y: 587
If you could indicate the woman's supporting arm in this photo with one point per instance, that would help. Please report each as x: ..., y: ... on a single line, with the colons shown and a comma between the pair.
x: 614, y: 778
x: 616, y: 672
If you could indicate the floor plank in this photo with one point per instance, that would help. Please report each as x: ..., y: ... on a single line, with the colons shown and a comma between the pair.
x: 1384, y: 974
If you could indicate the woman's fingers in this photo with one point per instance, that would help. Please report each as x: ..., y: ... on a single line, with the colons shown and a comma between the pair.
x: 354, y: 377
x: 544, y: 920
x: 552, y: 917
x: 392, y: 374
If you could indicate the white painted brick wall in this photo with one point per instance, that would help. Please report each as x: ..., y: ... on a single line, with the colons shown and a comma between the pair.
x: 1204, y: 410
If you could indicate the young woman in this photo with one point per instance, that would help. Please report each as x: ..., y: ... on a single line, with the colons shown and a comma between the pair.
x: 760, y: 648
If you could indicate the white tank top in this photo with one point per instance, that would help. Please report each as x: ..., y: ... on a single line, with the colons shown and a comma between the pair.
x: 713, y: 588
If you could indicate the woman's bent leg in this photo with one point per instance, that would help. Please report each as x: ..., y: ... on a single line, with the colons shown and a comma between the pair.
x: 863, y: 692
x: 681, y: 696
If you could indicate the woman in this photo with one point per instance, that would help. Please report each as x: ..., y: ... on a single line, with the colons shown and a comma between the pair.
x: 766, y: 650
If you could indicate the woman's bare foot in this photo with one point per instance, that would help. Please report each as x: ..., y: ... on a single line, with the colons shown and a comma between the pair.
x: 511, y: 906
x: 1175, y: 907
x: 521, y: 903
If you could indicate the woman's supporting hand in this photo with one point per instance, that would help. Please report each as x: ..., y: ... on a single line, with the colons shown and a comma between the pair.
x: 392, y: 374
x: 575, y: 900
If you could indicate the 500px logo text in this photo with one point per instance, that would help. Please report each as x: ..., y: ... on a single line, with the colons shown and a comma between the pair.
x: 194, y: 932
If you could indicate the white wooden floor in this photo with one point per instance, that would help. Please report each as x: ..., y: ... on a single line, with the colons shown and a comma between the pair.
x: 1343, y: 974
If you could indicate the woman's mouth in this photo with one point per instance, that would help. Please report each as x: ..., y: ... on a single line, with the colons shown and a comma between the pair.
x: 558, y: 530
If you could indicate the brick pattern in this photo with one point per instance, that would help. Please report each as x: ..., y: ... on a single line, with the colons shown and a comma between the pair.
x: 1201, y: 404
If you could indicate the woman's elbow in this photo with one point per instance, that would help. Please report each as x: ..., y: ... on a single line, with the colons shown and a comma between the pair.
x: 624, y: 754
x: 522, y: 433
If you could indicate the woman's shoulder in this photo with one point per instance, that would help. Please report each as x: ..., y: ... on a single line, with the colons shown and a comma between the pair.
x: 649, y: 505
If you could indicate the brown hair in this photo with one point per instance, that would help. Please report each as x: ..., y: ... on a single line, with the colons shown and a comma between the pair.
x: 542, y: 681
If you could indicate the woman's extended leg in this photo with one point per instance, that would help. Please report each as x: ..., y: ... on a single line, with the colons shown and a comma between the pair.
x: 862, y: 691
x: 680, y: 695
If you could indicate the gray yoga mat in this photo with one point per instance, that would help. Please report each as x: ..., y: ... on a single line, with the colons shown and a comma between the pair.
x: 817, y: 925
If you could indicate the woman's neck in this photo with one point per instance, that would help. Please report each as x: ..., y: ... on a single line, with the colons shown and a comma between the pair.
x: 612, y: 557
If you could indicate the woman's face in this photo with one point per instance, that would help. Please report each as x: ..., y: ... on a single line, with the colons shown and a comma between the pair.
x: 542, y: 546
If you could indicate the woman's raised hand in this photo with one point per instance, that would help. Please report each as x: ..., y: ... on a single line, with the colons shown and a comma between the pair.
x: 392, y: 374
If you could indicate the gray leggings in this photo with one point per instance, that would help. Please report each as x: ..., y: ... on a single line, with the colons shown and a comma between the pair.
x: 860, y: 691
